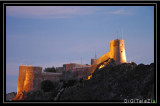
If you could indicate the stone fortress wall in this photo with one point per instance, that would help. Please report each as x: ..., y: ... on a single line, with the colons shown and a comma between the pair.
x: 117, y: 52
x: 30, y: 77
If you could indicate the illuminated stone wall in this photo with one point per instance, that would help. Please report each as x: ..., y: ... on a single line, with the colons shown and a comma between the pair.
x: 71, y: 66
x: 30, y: 78
x: 117, y: 52
x: 21, y: 78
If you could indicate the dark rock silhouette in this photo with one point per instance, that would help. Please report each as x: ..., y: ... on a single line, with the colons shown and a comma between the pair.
x: 115, y: 82
x: 10, y: 96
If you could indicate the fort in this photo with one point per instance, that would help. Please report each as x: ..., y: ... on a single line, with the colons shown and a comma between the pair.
x: 30, y: 77
x: 117, y: 53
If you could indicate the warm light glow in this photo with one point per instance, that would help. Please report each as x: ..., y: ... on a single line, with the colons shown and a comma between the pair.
x: 101, y: 66
x: 124, y: 57
x: 89, y: 77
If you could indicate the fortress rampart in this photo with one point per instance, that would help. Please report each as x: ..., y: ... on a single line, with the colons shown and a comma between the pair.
x: 117, y: 52
x: 30, y: 78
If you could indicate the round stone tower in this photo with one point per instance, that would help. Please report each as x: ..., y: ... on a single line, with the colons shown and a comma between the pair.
x: 27, y: 79
x: 32, y: 74
x: 117, y: 51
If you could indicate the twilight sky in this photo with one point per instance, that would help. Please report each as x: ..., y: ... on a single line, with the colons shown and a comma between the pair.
x: 54, y: 35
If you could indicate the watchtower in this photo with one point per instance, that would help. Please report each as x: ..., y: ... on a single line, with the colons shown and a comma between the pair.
x: 117, y: 51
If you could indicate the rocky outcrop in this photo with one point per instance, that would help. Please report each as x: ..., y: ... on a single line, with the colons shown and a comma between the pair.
x: 10, y: 96
x: 115, y: 82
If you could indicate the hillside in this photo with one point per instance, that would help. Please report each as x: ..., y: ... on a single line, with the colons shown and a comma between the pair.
x: 112, y: 82
x: 115, y: 82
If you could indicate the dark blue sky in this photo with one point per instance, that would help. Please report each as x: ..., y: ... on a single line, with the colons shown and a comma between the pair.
x: 55, y: 35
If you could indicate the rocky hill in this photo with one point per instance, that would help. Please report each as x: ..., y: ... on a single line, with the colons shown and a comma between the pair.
x: 115, y: 82
x: 112, y: 82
